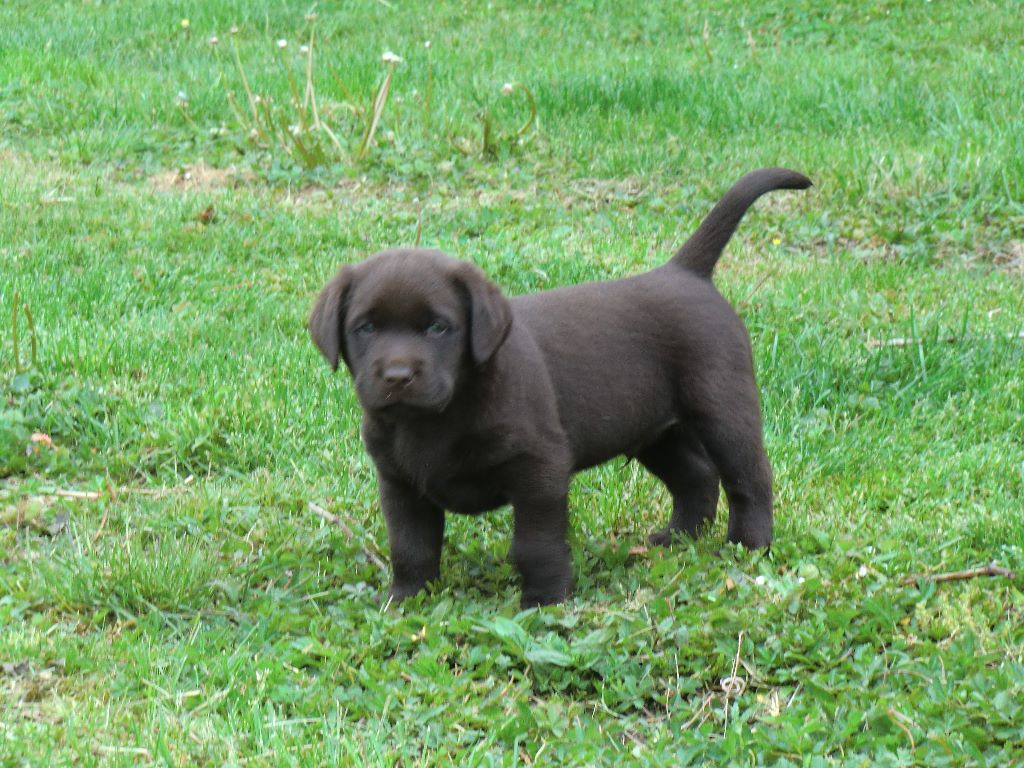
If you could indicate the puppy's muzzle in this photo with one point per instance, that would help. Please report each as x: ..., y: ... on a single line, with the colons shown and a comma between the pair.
x: 398, y: 375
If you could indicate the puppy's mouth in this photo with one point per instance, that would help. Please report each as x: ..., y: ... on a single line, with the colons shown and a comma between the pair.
x: 405, y: 400
x: 400, y: 401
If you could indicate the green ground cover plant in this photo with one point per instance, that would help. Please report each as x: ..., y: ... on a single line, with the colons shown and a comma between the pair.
x: 190, y: 547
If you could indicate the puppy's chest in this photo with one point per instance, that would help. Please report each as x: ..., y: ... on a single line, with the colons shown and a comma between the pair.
x: 460, y: 474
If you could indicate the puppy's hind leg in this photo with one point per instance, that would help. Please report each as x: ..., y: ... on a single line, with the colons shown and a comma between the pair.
x: 726, y: 415
x: 678, y: 459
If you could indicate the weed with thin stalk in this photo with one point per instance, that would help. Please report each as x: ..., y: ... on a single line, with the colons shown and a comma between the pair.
x: 492, y: 140
x: 21, y: 307
x: 298, y: 128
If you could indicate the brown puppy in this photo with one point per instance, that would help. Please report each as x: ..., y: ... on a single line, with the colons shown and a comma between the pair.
x: 472, y: 400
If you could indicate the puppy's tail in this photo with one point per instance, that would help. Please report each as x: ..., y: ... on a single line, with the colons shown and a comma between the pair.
x: 700, y: 253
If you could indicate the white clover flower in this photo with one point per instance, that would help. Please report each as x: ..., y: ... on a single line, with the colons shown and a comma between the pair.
x: 233, y: 30
x: 213, y: 40
x: 760, y: 581
x: 862, y: 572
x: 427, y: 45
x: 181, y: 98
x: 390, y: 58
x: 507, y: 88
x: 282, y: 43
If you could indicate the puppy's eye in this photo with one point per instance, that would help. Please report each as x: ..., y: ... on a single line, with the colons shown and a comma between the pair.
x: 438, y: 328
x: 365, y: 329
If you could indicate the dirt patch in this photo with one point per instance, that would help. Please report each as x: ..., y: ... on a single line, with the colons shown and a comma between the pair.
x: 593, y: 193
x: 1010, y: 256
x: 201, y: 177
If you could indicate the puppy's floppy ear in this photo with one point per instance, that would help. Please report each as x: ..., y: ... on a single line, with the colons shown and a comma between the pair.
x: 490, y: 313
x: 328, y: 317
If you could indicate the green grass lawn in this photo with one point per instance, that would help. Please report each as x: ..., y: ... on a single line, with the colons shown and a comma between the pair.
x: 167, y: 595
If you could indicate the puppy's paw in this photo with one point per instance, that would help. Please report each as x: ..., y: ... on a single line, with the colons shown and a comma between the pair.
x: 547, y: 594
x: 666, y: 537
x: 400, y: 592
x: 536, y: 600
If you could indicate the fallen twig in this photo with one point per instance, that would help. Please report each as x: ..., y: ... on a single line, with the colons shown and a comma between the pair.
x: 900, y: 720
x: 335, y: 520
x: 732, y: 686
x: 112, y: 492
x: 701, y: 713
x: 86, y: 495
x: 106, y: 512
x: 900, y: 341
x: 992, y: 569
x: 103, y: 523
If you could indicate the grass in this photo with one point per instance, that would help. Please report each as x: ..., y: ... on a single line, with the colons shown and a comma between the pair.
x: 188, y: 608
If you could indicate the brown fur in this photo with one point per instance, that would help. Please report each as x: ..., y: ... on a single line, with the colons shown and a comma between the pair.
x: 472, y: 400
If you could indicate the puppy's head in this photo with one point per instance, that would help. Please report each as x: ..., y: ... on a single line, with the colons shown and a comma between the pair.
x: 409, y: 325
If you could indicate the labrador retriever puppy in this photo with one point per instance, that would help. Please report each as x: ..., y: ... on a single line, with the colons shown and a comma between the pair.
x: 472, y: 400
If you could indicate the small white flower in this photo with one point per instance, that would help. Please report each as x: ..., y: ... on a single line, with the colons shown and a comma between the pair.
x: 181, y: 98
x: 862, y: 572
x: 282, y: 43
x: 760, y: 581
x: 800, y: 580
x: 303, y: 49
x: 427, y: 45
x: 213, y: 40
x: 185, y: 24
x: 233, y: 30
x: 507, y: 88
x: 390, y: 58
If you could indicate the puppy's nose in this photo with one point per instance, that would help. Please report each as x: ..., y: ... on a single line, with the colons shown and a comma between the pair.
x: 397, y: 374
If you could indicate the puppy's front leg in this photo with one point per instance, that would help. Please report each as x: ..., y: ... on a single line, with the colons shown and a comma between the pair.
x: 540, y: 549
x: 415, y: 533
